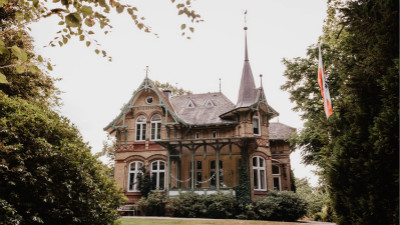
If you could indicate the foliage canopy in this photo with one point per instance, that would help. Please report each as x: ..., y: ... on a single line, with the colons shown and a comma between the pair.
x: 357, y: 148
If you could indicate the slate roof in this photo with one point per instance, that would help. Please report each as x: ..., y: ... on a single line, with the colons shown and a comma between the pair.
x: 280, y: 131
x: 201, y: 113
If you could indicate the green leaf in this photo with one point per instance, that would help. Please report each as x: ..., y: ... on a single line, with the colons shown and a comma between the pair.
x: 61, y: 23
x: 2, y: 43
x: 40, y: 59
x: 49, y: 67
x: 3, y: 2
x: 130, y: 11
x: 87, y: 43
x: 19, y: 53
x: 86, y: 10
x: 191, y: 29
x: 34, y: 69
x: 20, y: 15
x: 4, y: 50
x: 183, y: 26
x: 90, y: 32
x: 35, y: 3
x: 120, y: 8
x: 89, y: 22
x: 73, y: 20
x: 140, y: 25
x: 82, y: 37
x: 3, y: 79
x: 97, y: 51
x: 20, y: 68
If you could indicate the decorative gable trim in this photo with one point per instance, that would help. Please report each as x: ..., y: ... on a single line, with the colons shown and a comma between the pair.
x: 146, y: 85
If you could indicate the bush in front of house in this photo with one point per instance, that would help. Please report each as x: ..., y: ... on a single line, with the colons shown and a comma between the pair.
x: 280, y: 206
x: 153, y: 205
x: 189, y: 205
x: 220, y: 206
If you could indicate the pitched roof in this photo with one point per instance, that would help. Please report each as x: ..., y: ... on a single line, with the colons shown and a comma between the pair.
x: 280, y: 131
x: 203, y: 112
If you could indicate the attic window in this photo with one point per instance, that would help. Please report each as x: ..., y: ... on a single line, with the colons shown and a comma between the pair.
x: 149, y: 100
x: 209, y: 104
x: 190, y: 104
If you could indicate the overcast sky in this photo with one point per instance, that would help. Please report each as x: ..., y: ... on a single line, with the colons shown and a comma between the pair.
x: 94, y: 89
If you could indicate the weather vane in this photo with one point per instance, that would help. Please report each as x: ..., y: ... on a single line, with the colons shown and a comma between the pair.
x: 147, y: 71
x: 245, y: 19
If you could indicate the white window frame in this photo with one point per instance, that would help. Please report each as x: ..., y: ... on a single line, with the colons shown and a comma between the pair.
x: 157, y: 173
x: 157, y: 128
x: 277, y: 175
x: 261, y: 178
x: 140, y: 128
x: 135, y: 172
x: 256, y: 117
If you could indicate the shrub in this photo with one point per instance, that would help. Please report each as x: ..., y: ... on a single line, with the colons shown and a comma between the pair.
x: 220, y: 206
x: 153, y: 205
x: 280, y: 206
x: 188, y: 205
x: 47, y: 173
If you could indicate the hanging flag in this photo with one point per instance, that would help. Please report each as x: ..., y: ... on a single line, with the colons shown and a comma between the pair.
x: 323, y: 83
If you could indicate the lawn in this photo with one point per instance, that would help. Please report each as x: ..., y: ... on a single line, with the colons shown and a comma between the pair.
x: 163, y: 221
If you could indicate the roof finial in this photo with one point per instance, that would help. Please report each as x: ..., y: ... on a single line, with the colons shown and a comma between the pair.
x: 147, y: 71
x: 220, y: 85
x: 246, y: 56
x: 261, y: 80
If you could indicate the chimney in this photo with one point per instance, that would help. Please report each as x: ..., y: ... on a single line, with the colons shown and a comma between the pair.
x: 167, y: 93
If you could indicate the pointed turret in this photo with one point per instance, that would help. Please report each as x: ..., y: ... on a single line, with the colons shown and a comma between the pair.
x: 247, y: 91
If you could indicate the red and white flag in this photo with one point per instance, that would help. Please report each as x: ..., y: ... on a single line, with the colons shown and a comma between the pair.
x: 322, y: 81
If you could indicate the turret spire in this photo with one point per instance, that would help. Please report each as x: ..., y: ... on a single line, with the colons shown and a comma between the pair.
x: 247, y: 90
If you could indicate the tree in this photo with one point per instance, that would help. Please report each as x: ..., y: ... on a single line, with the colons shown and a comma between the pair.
x: 173, y: 88
x: 47, y: 173
x: 357, y: 147
x: 78, y: 19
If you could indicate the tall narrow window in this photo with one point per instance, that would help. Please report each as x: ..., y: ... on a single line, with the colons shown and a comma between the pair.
x: 155, y: 127
x: 256, y: 125
x: 158, y: 174
x: 133, y: 178
x: 276, y: 174
x: 197, y: 135
x: 214, y: 134
x: 259, y: 175
x: 141, y: 128
x: 213, y: 174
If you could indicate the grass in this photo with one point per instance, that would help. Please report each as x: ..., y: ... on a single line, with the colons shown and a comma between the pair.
x: 163, y: 221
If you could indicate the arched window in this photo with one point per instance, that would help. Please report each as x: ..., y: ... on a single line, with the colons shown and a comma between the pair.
x: 134, y: 171
x: 158, y: 174
x: 276, y: 174
x: 155, y: 122
x: 256, y: 124
x: 259, y: 174
x: 141, y: 128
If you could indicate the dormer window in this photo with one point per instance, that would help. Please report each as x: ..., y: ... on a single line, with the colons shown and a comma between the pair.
x: 256, y: 124
x: 209, y: 104
x: 190, y: 104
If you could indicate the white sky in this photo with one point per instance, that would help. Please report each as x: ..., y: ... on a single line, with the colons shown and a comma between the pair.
x: 95, y: 89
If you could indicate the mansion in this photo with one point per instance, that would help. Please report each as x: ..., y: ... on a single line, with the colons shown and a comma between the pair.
x: 201, y: 143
